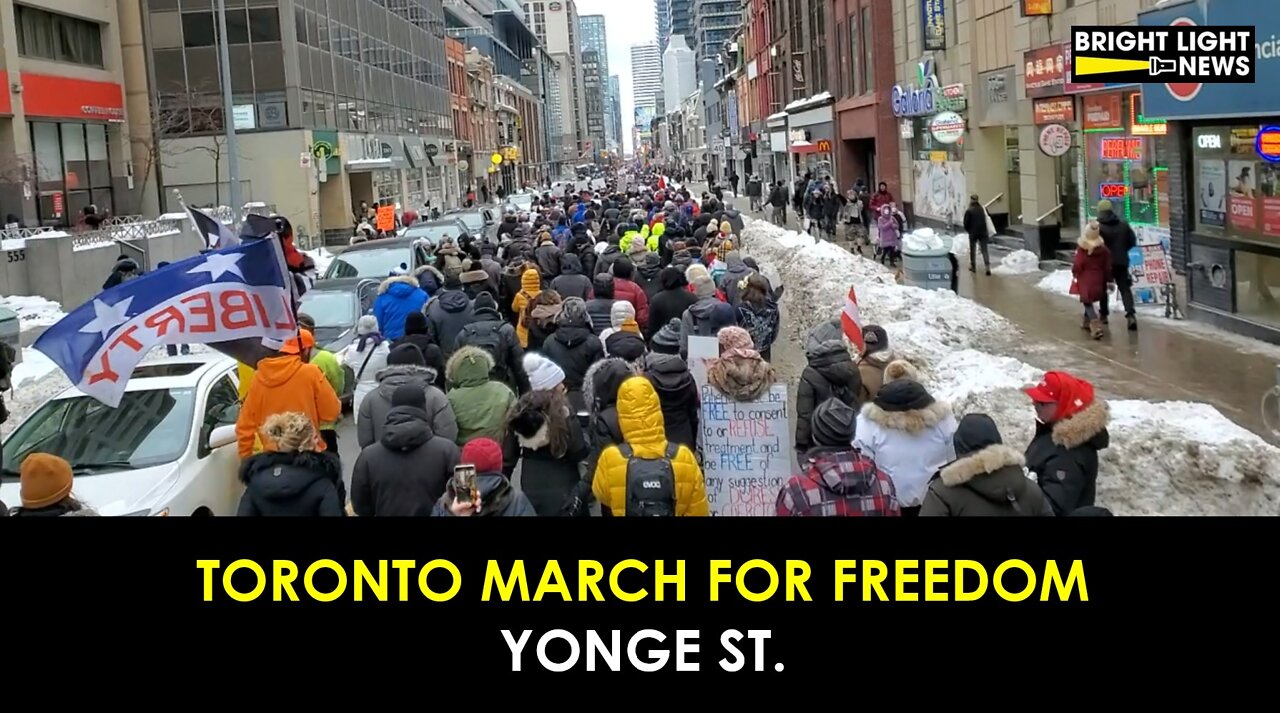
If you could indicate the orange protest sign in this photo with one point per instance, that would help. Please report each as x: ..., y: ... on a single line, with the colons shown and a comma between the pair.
x: 386, y: 218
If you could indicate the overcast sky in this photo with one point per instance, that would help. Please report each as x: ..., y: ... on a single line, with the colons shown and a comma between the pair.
x: 627, y: 22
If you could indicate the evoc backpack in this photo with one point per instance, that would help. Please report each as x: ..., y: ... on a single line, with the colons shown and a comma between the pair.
x: 651, y: 483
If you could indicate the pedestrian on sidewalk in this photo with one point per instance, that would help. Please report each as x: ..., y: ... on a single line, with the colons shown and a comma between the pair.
x: 1071, y: 428
x: 889, y: 231
x: 975, y: 224
x: 778, y: 200
x: 1120, y: 239
x: 1091, y: 272
x: 754, y: 189
x: 733, y: 180
x: 907, y: 433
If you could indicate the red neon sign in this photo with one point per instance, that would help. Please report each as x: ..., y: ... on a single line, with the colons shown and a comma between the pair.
x: 1113, y: 191
x: 1121, y: 148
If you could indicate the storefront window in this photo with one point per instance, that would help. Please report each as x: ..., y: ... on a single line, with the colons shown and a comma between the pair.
x: 1122, y: 159
x: 386, y: 184
x: 1237, y: 195
x: 73, y: 170
x: 926, y: 147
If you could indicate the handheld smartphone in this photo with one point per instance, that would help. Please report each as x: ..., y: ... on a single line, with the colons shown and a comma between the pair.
x: 464, y: 483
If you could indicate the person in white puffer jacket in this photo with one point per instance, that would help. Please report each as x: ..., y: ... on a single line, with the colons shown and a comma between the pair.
x: 366, y: 357
x: 907, y: 433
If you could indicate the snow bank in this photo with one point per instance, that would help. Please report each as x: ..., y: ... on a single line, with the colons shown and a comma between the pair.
x: 33, y: 311
x: 1169, y: 458
x: 1019, y: 262
x: 1058, y: 282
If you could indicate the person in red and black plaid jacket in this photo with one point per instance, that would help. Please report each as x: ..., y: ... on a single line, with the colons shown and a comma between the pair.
x: 838, y: 481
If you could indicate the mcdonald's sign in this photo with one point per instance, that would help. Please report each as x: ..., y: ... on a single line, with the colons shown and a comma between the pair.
x: 824, y: 146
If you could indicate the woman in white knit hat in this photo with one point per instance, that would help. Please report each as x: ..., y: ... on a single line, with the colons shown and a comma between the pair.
x: 366, y: 357
x: 553, y: 450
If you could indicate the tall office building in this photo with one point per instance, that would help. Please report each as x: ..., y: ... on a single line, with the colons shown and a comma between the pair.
x: 681, y: 22
x: 615, y: 109
x: 662, y: 22
x: 679, y: 72
x: 714, y: 22
x: 646, y: 82
x: 595, y: 80
x: 367, y: 93
x: 556, y: 25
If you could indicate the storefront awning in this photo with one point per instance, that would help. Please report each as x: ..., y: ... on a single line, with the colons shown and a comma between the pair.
x: 808, y: 103
x: 363, y: 165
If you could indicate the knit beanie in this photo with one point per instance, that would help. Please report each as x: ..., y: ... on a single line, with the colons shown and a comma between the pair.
x: 734, y: 338
x: 725, y: 227
x: 406, y: 355
x: 46, y: 480
x: 415, y: 323
x: 410, y: 395
x: 833, y: 423
x: 544, y: 374
x: 903, y: 395
x: 621, y: 312
x: 483, y: 453
x: 602, y: 286
x: 723, y: 315
x: 667, y: 340
x: 573, y: 313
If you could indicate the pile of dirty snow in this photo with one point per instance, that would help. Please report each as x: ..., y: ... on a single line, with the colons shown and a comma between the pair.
x: 1058, y: 282
x: 1018, y: 262
x: 1168, y: 458
x: 33, y: 311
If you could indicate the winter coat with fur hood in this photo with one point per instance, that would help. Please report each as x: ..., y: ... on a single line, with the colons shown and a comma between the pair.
x: 480, y: 405
x: 986, y: 483
x: 907, y: 433
x: 371, y: 419
x: 397, y: 297
x: 552, y: 450
x: 1064, y: 457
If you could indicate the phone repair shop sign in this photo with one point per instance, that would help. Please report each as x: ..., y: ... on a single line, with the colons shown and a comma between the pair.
x: 1054, y: 110
x: 1212, y: 95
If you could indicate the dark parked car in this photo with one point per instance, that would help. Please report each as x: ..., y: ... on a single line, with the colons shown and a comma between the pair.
x: 336, y: 305
x: 376, y: 259
x: 436, y: 230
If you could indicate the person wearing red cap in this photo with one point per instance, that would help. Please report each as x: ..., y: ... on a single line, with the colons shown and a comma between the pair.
x: 283, y: 384
x: 497, y: 497
x: 1071, y: 427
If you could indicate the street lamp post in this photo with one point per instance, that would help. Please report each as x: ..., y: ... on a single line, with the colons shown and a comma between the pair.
x: 228, y: 112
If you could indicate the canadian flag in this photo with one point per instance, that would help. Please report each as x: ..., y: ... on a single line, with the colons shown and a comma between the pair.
x: 851, y: 321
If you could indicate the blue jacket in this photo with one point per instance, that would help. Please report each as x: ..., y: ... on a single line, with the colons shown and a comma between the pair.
x: 580, y: 214
x: 397, y: 297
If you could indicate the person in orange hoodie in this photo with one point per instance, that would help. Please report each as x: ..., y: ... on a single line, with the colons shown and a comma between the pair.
x: 287, y: 383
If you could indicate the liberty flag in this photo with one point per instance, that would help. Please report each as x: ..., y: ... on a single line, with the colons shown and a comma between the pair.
x: 237, y: 300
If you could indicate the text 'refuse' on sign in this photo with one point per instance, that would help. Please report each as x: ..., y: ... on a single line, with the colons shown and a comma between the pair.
x: 1182, y: 53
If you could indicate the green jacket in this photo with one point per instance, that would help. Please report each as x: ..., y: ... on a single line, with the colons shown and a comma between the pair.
x: 480, y: 405
x: 332, y: 369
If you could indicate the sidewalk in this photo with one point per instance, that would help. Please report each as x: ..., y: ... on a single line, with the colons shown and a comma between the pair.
x: 1159, y: 362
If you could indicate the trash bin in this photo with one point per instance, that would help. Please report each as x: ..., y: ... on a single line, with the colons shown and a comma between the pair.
x: 11, y: 331
x: 930, y: 269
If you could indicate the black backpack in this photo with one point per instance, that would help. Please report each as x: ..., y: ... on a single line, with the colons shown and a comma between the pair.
x: 651, y: 483
x: 487, y: 336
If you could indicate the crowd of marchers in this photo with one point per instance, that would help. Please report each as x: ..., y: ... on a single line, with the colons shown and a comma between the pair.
x: 544, y: 369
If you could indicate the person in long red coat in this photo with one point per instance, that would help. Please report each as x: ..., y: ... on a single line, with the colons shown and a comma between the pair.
x: 1092, y: 271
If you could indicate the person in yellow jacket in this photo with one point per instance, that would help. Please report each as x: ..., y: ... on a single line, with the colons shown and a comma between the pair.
x: 530, y: 287
x: 655, y: 237
x: 643, y: 429
x: 629, y: 233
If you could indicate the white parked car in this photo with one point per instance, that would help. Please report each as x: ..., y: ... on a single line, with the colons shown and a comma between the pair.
x: 169, y: 449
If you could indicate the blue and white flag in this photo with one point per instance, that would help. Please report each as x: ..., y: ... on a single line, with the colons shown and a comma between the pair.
x: 216, y: 235
x: 237, y: 299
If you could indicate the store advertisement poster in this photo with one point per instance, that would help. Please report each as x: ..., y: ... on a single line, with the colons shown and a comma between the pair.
x: 1242, y: 200
x: 1269, y: 198
x: 1213, y: 192
x: 941, y: 191
x: 1149, y: 263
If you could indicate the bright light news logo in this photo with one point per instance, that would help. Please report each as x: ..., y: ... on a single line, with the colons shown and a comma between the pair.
x: 1182, y: 54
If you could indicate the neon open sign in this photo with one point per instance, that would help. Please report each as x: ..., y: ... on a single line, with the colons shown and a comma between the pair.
x: 1113, y: 191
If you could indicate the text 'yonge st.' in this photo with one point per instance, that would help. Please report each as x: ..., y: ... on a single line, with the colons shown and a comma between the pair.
x: 323, y: 283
